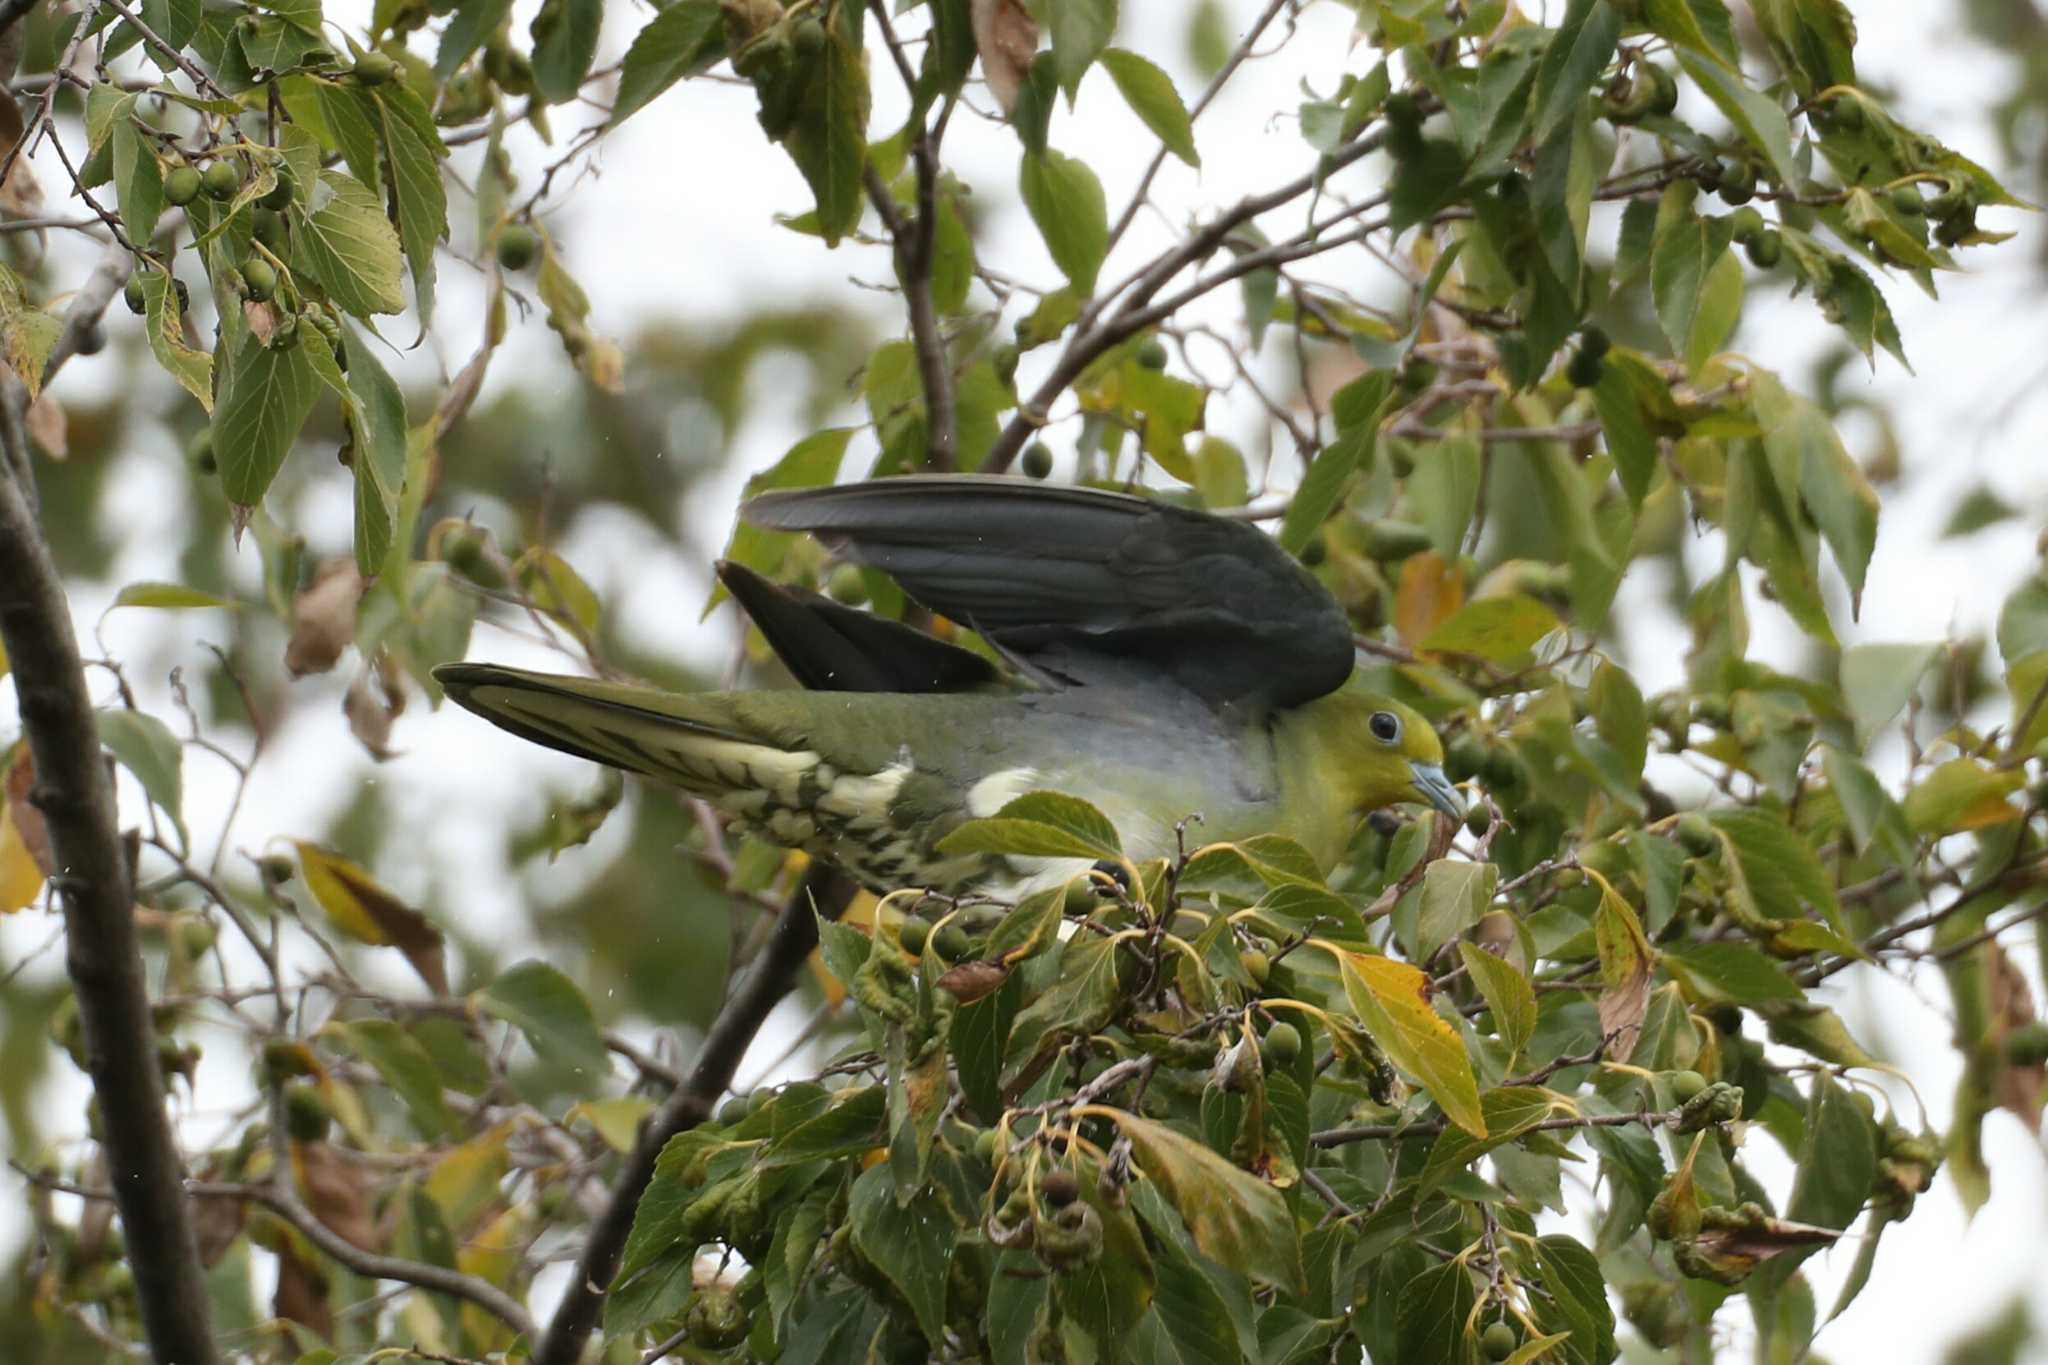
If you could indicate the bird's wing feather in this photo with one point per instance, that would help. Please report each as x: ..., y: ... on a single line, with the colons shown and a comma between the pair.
x: 1089, y: 583
x: 830, y: 647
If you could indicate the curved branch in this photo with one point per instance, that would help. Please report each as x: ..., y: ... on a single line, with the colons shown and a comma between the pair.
x: 76, y: 797
x: 822, y: 892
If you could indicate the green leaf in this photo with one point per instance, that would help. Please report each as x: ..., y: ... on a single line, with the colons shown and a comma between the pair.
x: 1577, y: 1299
x: 1758, y: 118
x: 1507, y: 991
x: 811, y: 463
x: 380, y: 443
x: 659, y: 1223
x: 472, y: 22
x: 192, y: 369
x: 1235, y: 1218
x: 1501, y: 630
x: 1077, y: 1003
x: 828, y: 140
x: 170, y: 597
x: 910, y: 1242
x: 1433, y: 1312
x: 406, y: 1068
x: 1391, y: 1000
x: 352, y: 249
x: 1962, y: 794
x: 856, y: 1123
x: 683, y: 40
x: 1728, y: 973
x: 1772, y: 866
x: 1578, y: 52
x: 1685, y: 24
x: 1878, y: 680
x: 1151, y: 94
x: 1080, y: 30
x: 1684, y: 258
x: 265, y: 397
x: 1454, y: 897
x: 1066, y: 202
x: 1039, y: 825
x: 146, y: 747
x: 139, y: 181
x: 1799, y: 436
x: 414, y: 151
x: 1813, y: 40
x: 1875, y: 820
x: 1358, y: 407
x: 546, y: 1007
x: 1621, y: 719
x: 562, y: 51
x: 1510, y: 1112
x: 1837, y: 1160
x: 1444, y: 490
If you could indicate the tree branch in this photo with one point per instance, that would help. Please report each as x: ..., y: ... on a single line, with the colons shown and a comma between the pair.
x: 76, y: 796
x: 1337, y: 1137
x: 822, y: 892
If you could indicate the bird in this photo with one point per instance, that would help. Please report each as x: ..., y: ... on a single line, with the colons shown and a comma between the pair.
x: 1157, y: 661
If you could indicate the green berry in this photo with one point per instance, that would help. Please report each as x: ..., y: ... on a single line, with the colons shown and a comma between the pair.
x: 1257, y: 965
x: 1282, y: 1045
x: 306, y: 1114
x: 734, y: 1111
x: 279, y: 196
x: 1687, y: 1086
x: 1585, y: 369
x: 988, y: 1145
x: 221, y: 179
x: 1499, y: 1340
x: 1738, y: 183
x: 1907, y: 199
x: 1593, y: 340
x: 1037, y: 460
x: 131, y: 294
x: 2027, y: 1045
x: 847, y: 585
x: 1152, y: 354
x: 808, y: 40
x: 1059, y: 1188
x: 1764, y: 249
x: 518, y: 244
x: 1317, y: 550
x: 951, y: 943
x: 1745, y: 224
x: 266, y: 226
x: 376, y: 68
x: 912, y: 934
x: 1663, y: 88
x: 182, y: 186
x: 259, y: 277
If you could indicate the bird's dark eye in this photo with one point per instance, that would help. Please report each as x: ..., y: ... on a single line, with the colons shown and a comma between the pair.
x: 1385, y: 726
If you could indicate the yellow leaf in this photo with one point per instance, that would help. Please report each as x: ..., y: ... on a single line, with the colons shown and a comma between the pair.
x: 1626, y: 961
x: 1391, y: 1000
x: 366, y: 912
x: 1430, y: 592
x: 20, y: 879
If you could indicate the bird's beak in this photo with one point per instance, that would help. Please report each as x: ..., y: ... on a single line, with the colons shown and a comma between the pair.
x: 1433, y: 787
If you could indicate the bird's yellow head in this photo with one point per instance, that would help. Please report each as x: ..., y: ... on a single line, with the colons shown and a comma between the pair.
x: 1377, y: 751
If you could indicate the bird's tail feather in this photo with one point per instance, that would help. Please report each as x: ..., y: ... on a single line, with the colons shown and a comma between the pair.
x: 690, y: 739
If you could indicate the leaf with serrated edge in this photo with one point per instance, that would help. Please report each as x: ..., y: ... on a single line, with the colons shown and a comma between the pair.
x: 1391, y: 999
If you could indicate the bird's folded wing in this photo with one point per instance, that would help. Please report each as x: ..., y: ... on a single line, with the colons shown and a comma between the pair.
x: 1090, y: 584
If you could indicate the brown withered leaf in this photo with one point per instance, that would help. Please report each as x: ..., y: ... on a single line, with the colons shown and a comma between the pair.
x: 333, y: 1190
x: 20, y: 196
x: 972, y: 981
x: 217, y: 1221
x: 20, y: 767
x: 1006, y: 36
x: 47, y: 426
x: 1626, y: 964
x: 368, y: 913
x: 373, y: 703
x: 262, y: 320
x: 324, y: 617
x: 301, y: 1295
x: 2018, y: 1088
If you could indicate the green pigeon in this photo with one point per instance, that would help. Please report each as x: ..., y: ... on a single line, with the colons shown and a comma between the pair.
x: 1157, y: 662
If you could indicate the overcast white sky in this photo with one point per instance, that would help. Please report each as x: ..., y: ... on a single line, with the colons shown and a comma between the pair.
x: 681, y: 219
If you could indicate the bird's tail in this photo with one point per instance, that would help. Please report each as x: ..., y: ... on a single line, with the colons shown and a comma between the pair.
x: 690, y: 739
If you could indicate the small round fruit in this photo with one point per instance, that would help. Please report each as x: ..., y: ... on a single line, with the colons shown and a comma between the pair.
x: 1037, y: 460
x: 1908, y: 200
x: 221, y: 179
x: 1593, y: 340
x: 182, y: 186
x: 260, y: 278
x: 267, y: 227
x: 1687, y: 1086
x: 131, y: 294
x: 809, y: 38
x: 1764, y: 249
x: 1257, y: 965
x: 1059, y: 1188
x: 518, y: 244
x: 1745, y: 224
x: 1663, y: 88
x: 951, y: 943
x: 988, y: 1145
x: 279, y: 196
x: 306, y: 1114
x: 1317, y: 550
x: 1499, y: 1340
x: 1152, y: 354
x: 1738, y: 183
x: 376, y: 68
x: 912, y: 934
x: 734, y: 1111
x: 1585, y: 369
x: 847, y: 585
x: 1282, y: 1045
